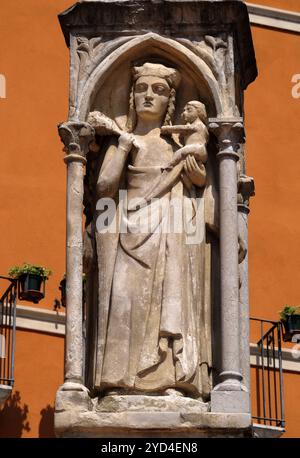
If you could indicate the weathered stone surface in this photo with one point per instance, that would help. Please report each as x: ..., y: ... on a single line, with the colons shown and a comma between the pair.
x: 166, y: 417
x: 75, y: 137
x: 119, y: 403
x: 170, y: 17
x: 230, y: 401
x: 230, y: 135
x: 151, y: 310
x: 161, y: 329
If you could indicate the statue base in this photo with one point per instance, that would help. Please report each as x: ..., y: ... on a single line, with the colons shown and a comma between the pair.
x: 78, y: 415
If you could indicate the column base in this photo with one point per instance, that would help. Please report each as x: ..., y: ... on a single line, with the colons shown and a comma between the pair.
x: 72, y: 397
x: 230, y: 401
x: 231, y: 381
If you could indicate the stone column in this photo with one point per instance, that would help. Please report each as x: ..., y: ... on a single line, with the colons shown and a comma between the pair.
x: 245, y: 191
x: 76, y: 138
x: 229, y: 395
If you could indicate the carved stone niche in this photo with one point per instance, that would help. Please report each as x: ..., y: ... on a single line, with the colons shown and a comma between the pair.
x: 160, y: 345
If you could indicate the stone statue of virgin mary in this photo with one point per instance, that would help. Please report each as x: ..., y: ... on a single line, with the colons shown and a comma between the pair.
x: 149, y: 291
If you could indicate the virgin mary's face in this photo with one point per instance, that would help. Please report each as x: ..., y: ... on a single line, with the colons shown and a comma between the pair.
x: 151, y: 97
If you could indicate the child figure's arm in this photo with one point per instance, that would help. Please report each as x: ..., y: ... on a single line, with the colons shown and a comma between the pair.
x: 197, y: 150
x: 184, y: 129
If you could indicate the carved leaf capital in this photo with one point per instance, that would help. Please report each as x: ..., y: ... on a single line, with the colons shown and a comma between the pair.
x: 76, y: 137
x: 230, y: 133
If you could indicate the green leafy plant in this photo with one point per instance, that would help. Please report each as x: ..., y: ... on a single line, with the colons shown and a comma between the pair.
x: 288, y: 310
x: 26, y: 268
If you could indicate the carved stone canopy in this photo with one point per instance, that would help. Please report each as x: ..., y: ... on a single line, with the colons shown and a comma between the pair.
x: 171, y: 18
x: 208, y: 42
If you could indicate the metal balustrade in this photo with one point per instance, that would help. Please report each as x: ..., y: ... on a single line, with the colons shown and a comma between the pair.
x: 268, y: 410
x: 7, y: 331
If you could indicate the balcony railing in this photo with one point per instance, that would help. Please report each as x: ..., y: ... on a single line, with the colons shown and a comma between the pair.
x: 269, y: 408
x: 7, y: 335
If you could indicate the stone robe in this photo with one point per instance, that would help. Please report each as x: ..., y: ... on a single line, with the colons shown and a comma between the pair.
x: 154, y: 293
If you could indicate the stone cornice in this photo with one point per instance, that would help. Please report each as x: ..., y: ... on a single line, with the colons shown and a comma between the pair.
x: 274, y: 18
x: 289, y: 362
x: 40, y: 320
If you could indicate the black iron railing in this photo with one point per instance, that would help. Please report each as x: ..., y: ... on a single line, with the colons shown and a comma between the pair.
x: 269, y: 408
x: 7, y: 331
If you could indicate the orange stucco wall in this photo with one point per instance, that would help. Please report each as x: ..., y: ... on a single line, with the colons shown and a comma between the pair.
x: 38, y: 372
x: 273, y: 136
x: 34, y: 60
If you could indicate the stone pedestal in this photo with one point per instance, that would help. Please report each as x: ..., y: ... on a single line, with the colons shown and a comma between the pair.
x: 77, y: 415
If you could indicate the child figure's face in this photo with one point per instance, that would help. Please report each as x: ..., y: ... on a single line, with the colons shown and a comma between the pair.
x: 189, y: 113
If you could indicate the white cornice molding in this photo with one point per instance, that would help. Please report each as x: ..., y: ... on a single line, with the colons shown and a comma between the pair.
x: 273, y: 17
x: 50, y: 322
x: 40, y: 320
x: 289, y: 362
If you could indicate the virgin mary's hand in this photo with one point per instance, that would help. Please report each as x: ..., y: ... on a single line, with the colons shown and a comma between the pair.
x: 195, y: 171
x: 126, y: 142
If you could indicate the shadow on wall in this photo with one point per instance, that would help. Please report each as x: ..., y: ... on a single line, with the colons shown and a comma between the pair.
x: 13, y: 417
x: 46, y: 427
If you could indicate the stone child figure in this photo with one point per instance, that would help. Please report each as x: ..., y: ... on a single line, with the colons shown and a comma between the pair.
x: 193, y: 134
x: 151, y: 316
x: 193, y: 155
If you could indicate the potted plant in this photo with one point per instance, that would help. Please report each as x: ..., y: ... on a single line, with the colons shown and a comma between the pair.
x: 31, y: 281
x: 290, y: 318
x: 63, y: 288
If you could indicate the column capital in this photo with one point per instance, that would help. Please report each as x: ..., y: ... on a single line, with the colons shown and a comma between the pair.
x: 76, y: 137
x: 230, y: 134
